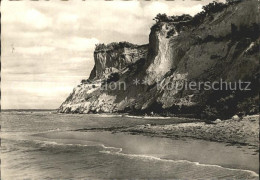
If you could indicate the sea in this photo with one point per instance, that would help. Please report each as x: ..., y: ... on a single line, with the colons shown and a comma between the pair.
x: 47, y: 145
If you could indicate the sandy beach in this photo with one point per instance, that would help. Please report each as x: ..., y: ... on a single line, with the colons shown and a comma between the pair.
x: 240, y: 135
x: 241, y: 132
x: 244, y: 131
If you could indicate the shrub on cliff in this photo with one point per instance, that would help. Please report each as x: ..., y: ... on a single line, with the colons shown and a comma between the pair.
x: 207, y: 10
x: 231, y: 2
x: 161, y: 18
x: 179, y: 21
x: 85, y: 81
x: 114, y: 45
x: 184, y: 17
x: 100, y: 47
x: 196, y: 20
x: 186, y: 20
x: 214, y: 7
x: 164, y: 18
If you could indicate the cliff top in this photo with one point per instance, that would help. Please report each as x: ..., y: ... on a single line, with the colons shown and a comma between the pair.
x: 187, y: 20
x: 180, y: 21
x: 115, y: 45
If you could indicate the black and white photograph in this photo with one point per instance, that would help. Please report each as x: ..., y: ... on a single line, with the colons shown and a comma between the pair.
x: 114, y: 89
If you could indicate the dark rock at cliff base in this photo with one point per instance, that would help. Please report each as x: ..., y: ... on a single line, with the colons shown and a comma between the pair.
x: 220, y: 44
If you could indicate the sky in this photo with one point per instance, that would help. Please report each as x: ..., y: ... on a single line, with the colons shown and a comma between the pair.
x: 47, y: 46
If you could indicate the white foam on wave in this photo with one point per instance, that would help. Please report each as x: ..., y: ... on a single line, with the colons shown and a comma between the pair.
x: 118, y: 151
x: 175, y: 161
x: 153, y: 117
x: 131, y: 116
x: 148, y: 117
x: 137, y: 117
x: 53, y: 143
x: 51, y: 130
x: 108, y: 115
x: 107, y: 151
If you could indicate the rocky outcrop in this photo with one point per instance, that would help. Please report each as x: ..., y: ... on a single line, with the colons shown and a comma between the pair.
x: 220, y: 43
x: 114, y: 57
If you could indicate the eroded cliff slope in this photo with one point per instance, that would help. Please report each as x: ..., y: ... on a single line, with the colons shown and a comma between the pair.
x: 220, y: 43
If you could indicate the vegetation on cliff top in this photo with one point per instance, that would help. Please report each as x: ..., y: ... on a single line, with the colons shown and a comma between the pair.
x: 114, y: 46
x: 187, y: 20
x: 182, y: 20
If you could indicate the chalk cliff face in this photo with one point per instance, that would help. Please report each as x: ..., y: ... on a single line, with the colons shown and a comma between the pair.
x: 220, y: 43
x: 115, y: 56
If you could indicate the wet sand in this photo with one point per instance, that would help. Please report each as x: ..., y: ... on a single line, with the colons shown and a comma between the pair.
x: 233, y: 137
x: 241, y: 132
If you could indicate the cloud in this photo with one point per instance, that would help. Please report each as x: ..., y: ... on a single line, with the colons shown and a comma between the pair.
x: 66, y: 18
x: 184, y: 10
x: 154, y: 8
x: 36, y: 19
x: 28, y: 34
x: 76, y: 44
x: 67, y: 21
x: 124, y: 17
x: 78, y: 59
x: 21, y: 13
x: 36, y: 50
x: 34, y: 95
x: 82, y: 44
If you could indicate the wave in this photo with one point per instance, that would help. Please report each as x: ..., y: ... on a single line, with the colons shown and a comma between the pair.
x: 131, y: 116
x: 107, y: 149
x: 119, y: 151
x: 147, y: 117
x: 52, y: 130
x: 177, y: 161
x: 108, y: 115
x: 154, y: 117
x: 137, y: 117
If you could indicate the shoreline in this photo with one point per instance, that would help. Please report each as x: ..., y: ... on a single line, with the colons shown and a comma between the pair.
x: 163, y: 149
x: 235, y: 132
x: 114, y: 132
x: 240, y: 132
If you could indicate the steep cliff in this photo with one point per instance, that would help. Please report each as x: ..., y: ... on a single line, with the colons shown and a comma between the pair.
x: 220, y: 43
x: 114, y: 57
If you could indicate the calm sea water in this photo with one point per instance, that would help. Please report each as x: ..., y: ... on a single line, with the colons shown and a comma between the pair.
x: 45, y: 145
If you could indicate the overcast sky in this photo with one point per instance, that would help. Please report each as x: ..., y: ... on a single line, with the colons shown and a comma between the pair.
x: 47, y: 46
